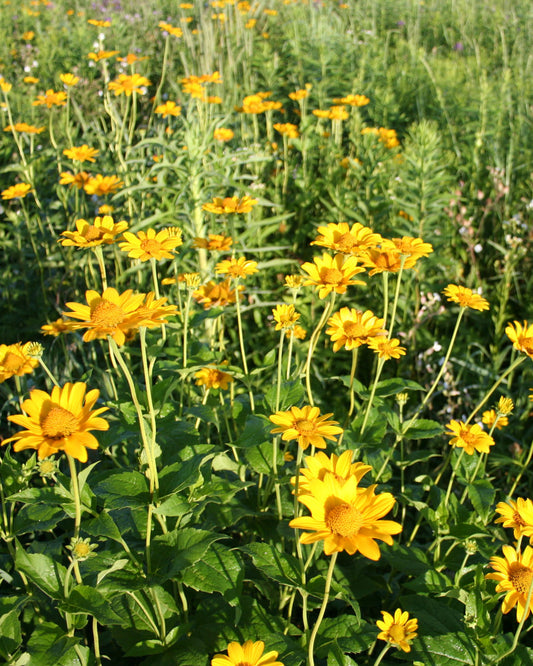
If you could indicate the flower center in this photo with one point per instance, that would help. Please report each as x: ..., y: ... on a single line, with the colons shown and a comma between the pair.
x: 304, y: 426
x: 354, y: 329
x: 397, y: 633
x: 346, y: 243
x: 12, y: 362
x: 94, y: 233
x: 520, y: 577
x: 332, y: 276
x: 344, y: 520
x: 59, y: 423
x: 107, y: 315
x: 518, y: 519
x: 151, y: 246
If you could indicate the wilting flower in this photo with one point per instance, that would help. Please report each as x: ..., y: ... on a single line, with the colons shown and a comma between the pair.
x: 223, y: 206
x: 329, y: 273
x: 168, y: 109
x: 346, y: 518
x: 492, y: 418
x: 306, y: 426
x: 236, y: 268
x: 340, y: 237
x: 15, y: 360
x: 212, y: 377
x: 285, y: 316
x: 81, y: 153
x: 215, y: 294
x: 319, y: 465
x: 78, y: 180
x: 151, y: 244
x: 469, y: 437
x: 51, y: 98
x: 465, y: 297
x: 59, y: 421
x: 18, y: 191
x: 521, y: 337
x: 351, y: 328
x: 248, y: 654
x: 213, y: 242
x: 102, y: 185
x: 24, y: 128
x: 516, y: 515
x: 102, y: 232
x: 129, y: 84
x: 514, y: 573
x: 398, y: 629
x: 386, y: 348
x: 223, y: 134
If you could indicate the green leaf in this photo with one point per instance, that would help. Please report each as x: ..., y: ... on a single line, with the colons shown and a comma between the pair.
x: 482, y: 494
x: 86, y: 599
x: 181, y: 475
x: 33, y: 517
x: 291, y: 393
x: 103, y: 526
x: 444, y: 650
x: 260, y: 458
x: 256, y: 431
x: 219, y: 570
x: 123, y: 489
x: 42, y: 570
x: 50, y: 646
x: 424, y: 429
x: 345, y: 633
x: 55, y: 496
x: 273, y: 563
x: 396, y: 385
x: 175, y: 551
x: 10, y: 634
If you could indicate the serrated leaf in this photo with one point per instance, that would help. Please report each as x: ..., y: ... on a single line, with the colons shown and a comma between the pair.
x: 86, y: 599
x: 42, y: 570
x: 260, y: 457
x: 396, y: 385
x: 444, y: 650
x: 50, y: 646
x: 290, y: 394
x: 275, y: 564
x: 175, y: 551
x: 10, y: 634
x: 33, y: 517
x: 123, y: 489
x: 482, y: 494
x: 219, y: 570
x: 103, y: 525
x: 256, y: 431
x: 181, y: 475
x: 424, y: 429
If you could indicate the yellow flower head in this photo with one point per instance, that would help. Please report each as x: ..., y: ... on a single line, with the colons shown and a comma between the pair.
x: 172, y: 30
x: 352, y: 100
x: 297, y: 332
x: 78, y: 180
x: 412, y: 248
x: 521, y: 337
x: 102, y: 55
x: 213, y: 378
x: 236, y: 268
x: 300, y: 94
x: 24, y: 128
x: 346, y: 518
x: 386, y: 348
x: 329, y: 273
x: 69, y: 79
x: 285, y: 316
x: 99, y: 23
x: 56, y: 327
x: 287, y: 129
x: 81, y: 153
x: 294, y: 281
x: 30, y: 79
x: 223, y: 134
x: 102, y: 185
x: 505, y: 406
x: 217, y: 242
x: 345, y: 239
x: 516, y: 515
x: 60, y: 421
x: 129, y: 84
x: 16, y: 360
x: 338, y: 113
x: 469, y: 437
x: 318, y: 466
x: 51, y: 98
x: 168, y: 109
x: 215, y: 294
x: 306, y: 426
x: 491, y: 418
x: 465, y: 297
x: 102, y: 232
x: 351, y: 328
x: 224, y: 206
x: 398, y: 629
x: 248, y: 654
x: 18, y: 191
x: 151, y: 244
x: 514, y: 573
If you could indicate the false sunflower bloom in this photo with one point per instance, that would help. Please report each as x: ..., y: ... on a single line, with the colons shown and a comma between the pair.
x: 386, y: 348
x: 385, y: 258
x: 56, y: 328
x: 81, y: 153
x: 297, y: 332
x: 223, y: 134
x: 129, y: 84
x: 213, y: 242
x: 465, y: 297
x: 24, y: 128
x: 102, y: 185
x: 216, y: 294
x: 248, y: 654
x: 412, y: 248
x: 237, y: 268
x: 521, y: 337
x: 16, y: 360
x: 51, y: 98
x: 306, y: 426
x: 60, y: 421
x: 18, y: 191
x: 213, y: 378
x: 345, y: 518
x: 398, y: 629
x: 151, y: 244
x: 168, y: 109
x: 352, y: 100
x: 469, y: 437
x: 351, y: 328
x: 287, y: 129
x: 102, y: 232
x: 492, y: 418
x: 345, y: 239
x: 514, y: 573
x: 224, y: 206
x: 329, y: 273
x: 319, y: 465
x: 78, y: 180
x: 285, y: 316
x: 516, y: 515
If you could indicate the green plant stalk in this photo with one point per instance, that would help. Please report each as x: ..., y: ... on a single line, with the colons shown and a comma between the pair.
x: 379, y: 369
x: 524, y: 467
x: 285, y: 164
x: 47, y: 370
x: 155, y: 280
x: 472, y: 479
x: 452, y: 477
x: 186, y: 327
x: 403, y: 258
x: 96, y: 643
x: 355, y: 353
x: 77, y: 504
x: 382, y: 654
x: 327, y: 587
x: 241, y: 344
x: 312, y: 345
x: 99, y: 254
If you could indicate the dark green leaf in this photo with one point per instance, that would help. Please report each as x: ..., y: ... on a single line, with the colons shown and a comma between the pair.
x: 424, y: 429
x: 277, y: 565
x: 50, y: 646
x: 37, y: 517
x: 104, y: 526
x: 123, y: 489
x: 219, y: 570
x: 256, y: 431
x: 482, y: 494
x: 85, y: 599
x: 10, y: 634
x: 291, y: 393
x: 42, y: 570
x: 175, y: 551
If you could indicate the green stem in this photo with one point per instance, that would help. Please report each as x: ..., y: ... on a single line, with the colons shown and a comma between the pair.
x: 521, y: 472
x: 470, y: 481
x: 381, y: 363
x: 396, y: 294
x: 241, y: 344
x: 77, y: 504
x: 312, y: 345
x: 382, y: 654
x: 452, y: 477
x: 327, y: 587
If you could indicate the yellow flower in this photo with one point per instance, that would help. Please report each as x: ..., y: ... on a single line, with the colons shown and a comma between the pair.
x: 351, y: 328
x: 299, y: 94
x: 338, y: 113
x: 168, y: 109
x: 297, y: 332
x: 102, y: 185
x: 99, y: 23
x: 469, y: 437
x: 319, y: 113
x: 222, y: 206
x: 18, y: 191
x: 517, y: 516
x: 59, y: 421
x: 346, y: 518
x: 329, y: 273
x: 248, y: 654
x: 56, y: 327
x: 129, y: 84
x: 294, y: 281
x: 151, y: 244
x: 15, y: 360
x: 24, y: 128
x: 521, y: 337
x: 256, y: 103
x: 214, y: 294
x: 213, y: 242
x: 4, y: 85
x: 51, y: 98
x: 168, y: 27
x: 412, y: 248
x: 465, y: 297
x: 514, y: 573
x: 386, y: 258
x: 386, y: 348
x: 212, y: 377
x: 319, y: 465
x: 81, y: 153
x: 102, y: 232
x: 78, y: 180
x: 398, y: 629
x: 490, y: 418
x: 341, y: 238
x: 223, y: 134
x: 505, y: 406
x: 237, y: 268
x: 352, y: 100
x: 69, y: 79
x: 285, y: 316
x: 306, y: 426
x: 102, y: 55
x: 28, y: 35
x: 30, y: 79
x: 287, y: 129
